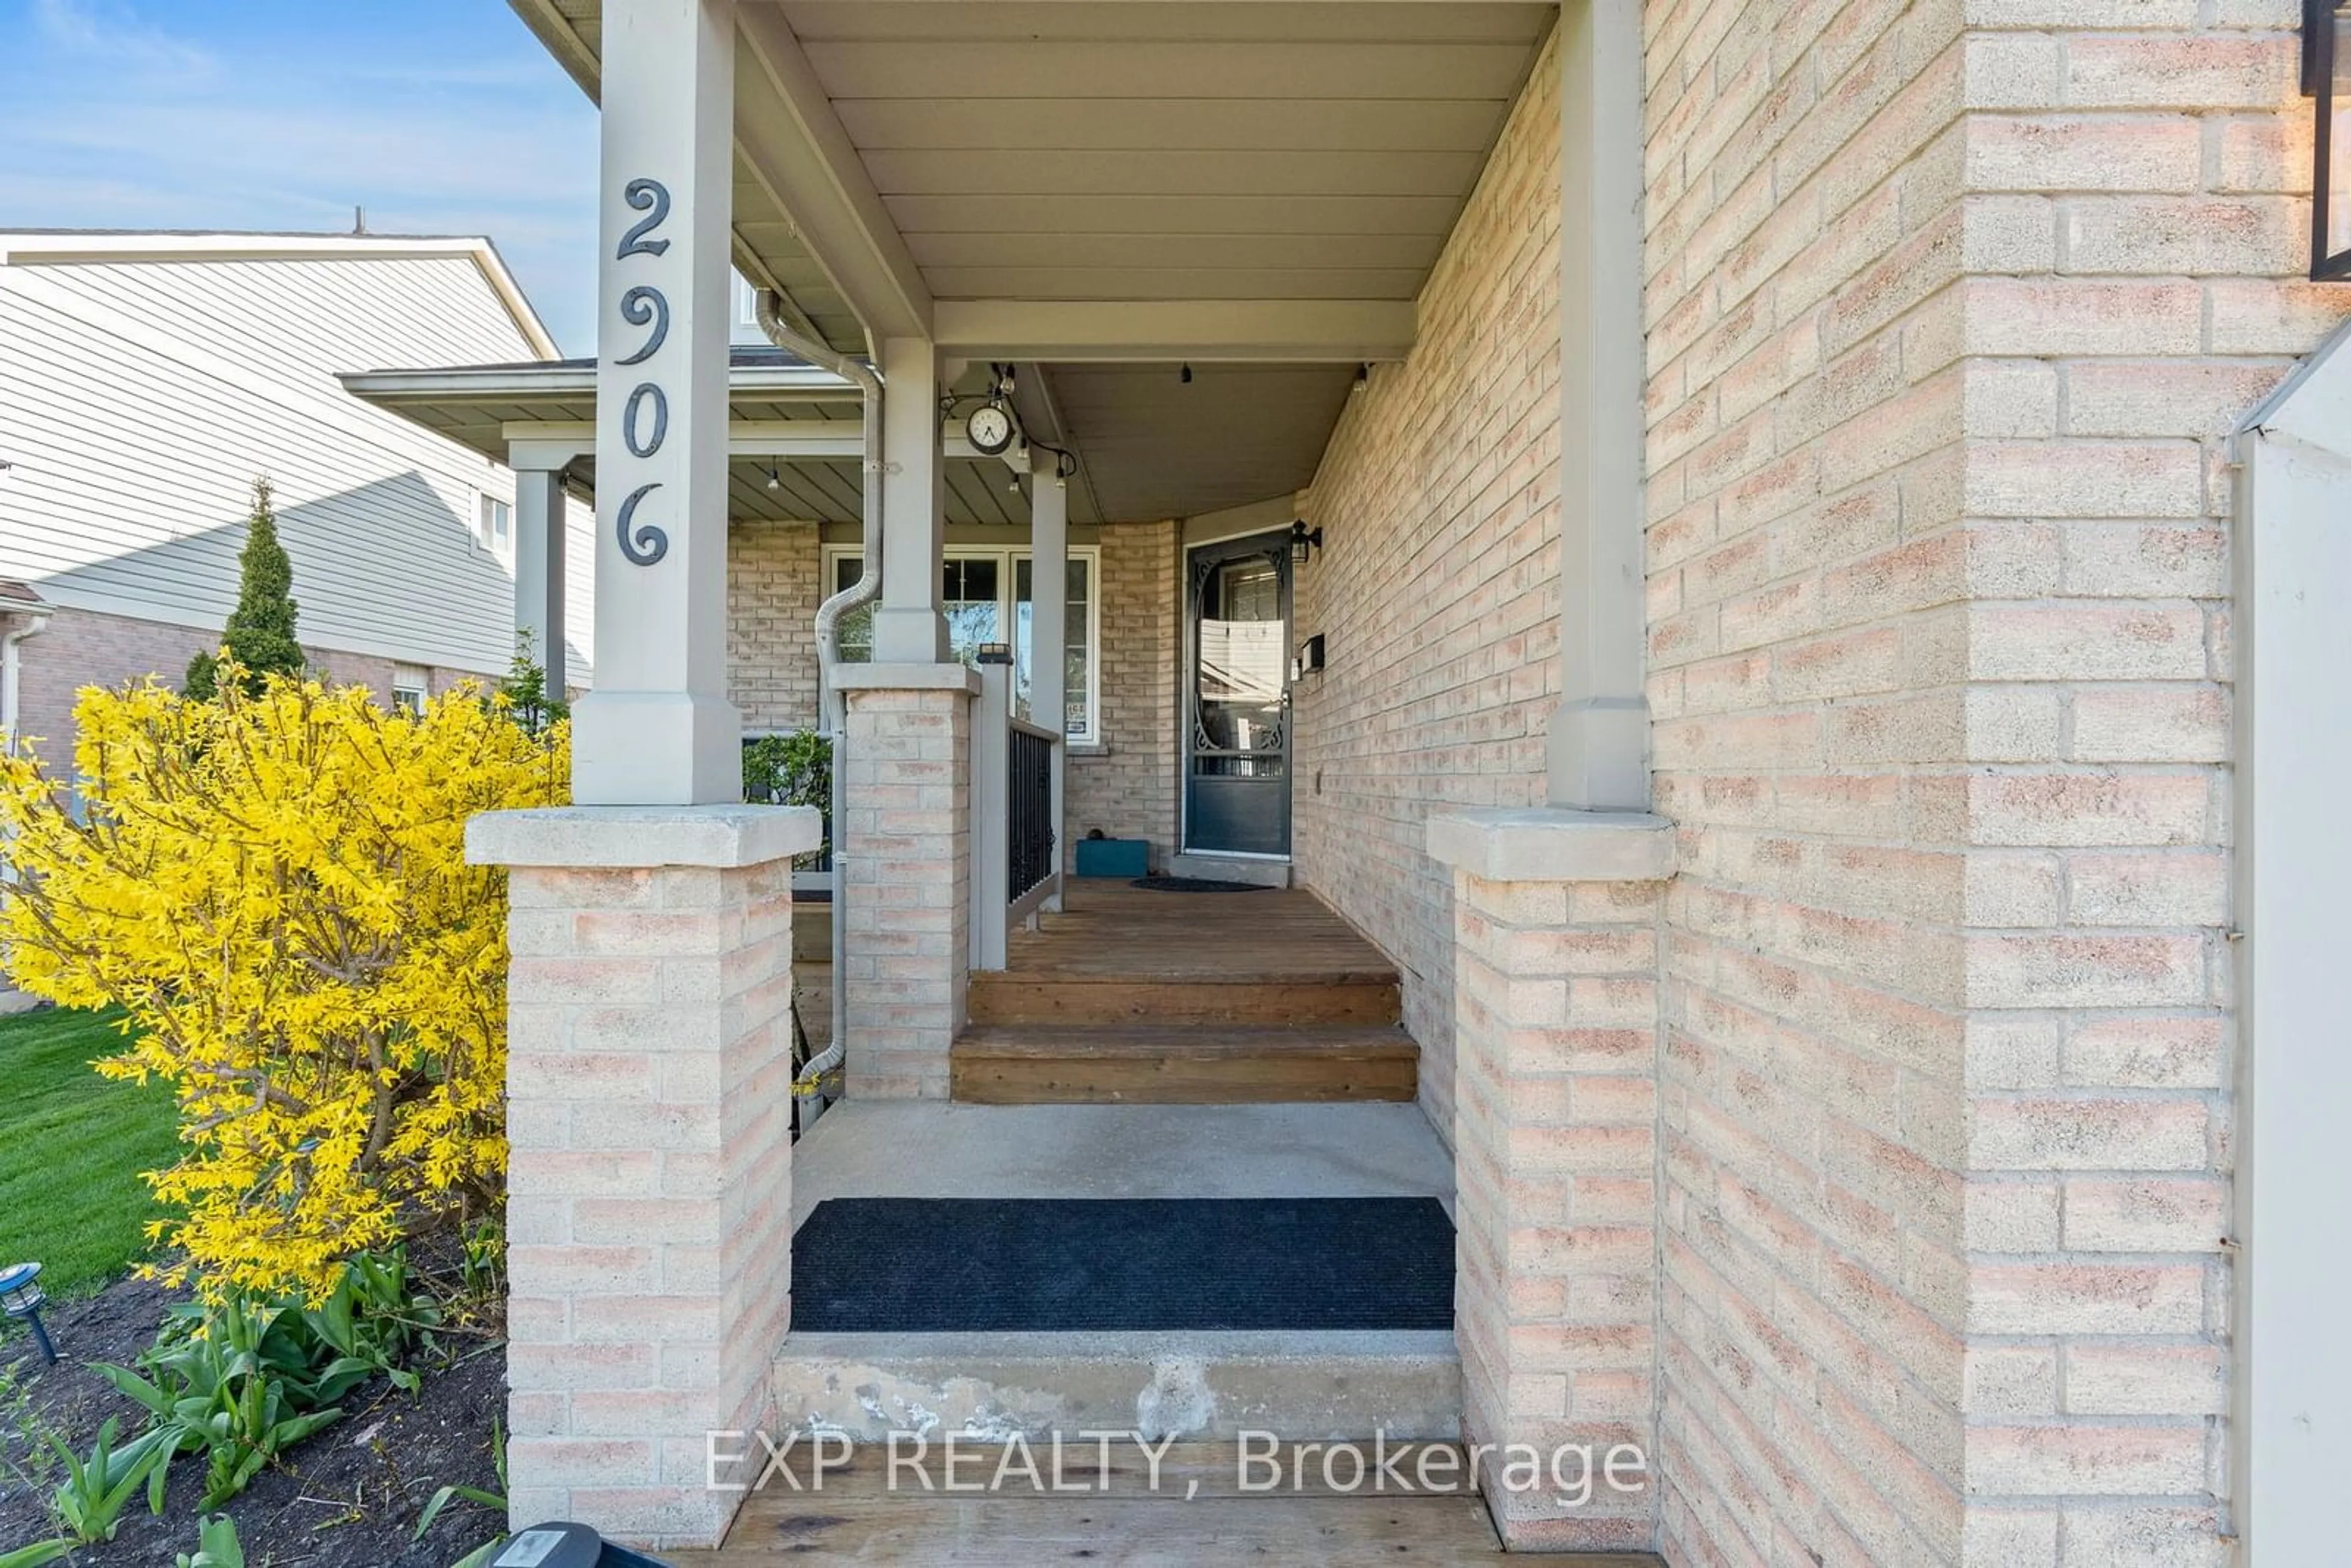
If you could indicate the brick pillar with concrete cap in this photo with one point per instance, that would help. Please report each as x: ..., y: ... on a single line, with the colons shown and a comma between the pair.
x: 1556, y: 917
x: 649, y: 993
x: 904, y: 839
x: 648, y: 1116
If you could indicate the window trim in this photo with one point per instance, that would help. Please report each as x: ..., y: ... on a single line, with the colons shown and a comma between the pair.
x: 410, y: 680
x: 1007, y: 580
x: 486, y: 534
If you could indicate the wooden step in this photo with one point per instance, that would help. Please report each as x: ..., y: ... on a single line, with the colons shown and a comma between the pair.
x: 1068, y: 1064
x: 1015, y: 997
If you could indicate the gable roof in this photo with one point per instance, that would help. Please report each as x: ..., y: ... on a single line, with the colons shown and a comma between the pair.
x: 67, y: 247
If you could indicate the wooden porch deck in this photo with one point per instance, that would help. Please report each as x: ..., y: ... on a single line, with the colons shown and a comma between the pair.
x: 1112, y: 929
x: 1136, y: 995
x: 1198, y: 1518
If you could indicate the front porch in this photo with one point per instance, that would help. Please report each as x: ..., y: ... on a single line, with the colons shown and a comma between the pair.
x: 1063, y: 582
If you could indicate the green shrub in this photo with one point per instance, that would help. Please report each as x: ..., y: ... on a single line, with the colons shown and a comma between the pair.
x: 793, y: 769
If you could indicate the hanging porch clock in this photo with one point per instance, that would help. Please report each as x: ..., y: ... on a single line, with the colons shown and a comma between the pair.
x: 990, y: 428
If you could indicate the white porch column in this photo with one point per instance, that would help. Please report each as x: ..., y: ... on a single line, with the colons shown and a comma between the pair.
x: 908, y: 628
x: 1048, y: 625
x: 658, y: 728
x: 1599, y: 738
x: 539, y: 515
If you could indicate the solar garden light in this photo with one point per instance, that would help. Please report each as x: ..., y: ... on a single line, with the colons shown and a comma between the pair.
x: 21, y: 1297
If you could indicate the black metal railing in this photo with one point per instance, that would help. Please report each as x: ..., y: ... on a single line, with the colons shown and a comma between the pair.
x: 1029, y: 802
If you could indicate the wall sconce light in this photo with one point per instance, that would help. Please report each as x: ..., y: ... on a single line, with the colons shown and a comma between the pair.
x: 21, y: 1297
x: 1309, y: 657
x: 1303, y: 542
x: 993, y: 654
x: 2327, y: 77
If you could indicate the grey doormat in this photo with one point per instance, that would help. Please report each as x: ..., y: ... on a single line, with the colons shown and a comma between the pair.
x: 915, y: 1265
x: 1195, y: 884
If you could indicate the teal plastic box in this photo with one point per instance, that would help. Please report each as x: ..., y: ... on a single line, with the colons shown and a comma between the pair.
x: 1114, y: 857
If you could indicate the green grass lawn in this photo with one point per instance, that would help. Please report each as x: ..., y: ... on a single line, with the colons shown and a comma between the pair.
x: 71, y: 1147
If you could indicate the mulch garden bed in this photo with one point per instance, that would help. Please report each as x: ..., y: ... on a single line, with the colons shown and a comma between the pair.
x: 348, y: 1497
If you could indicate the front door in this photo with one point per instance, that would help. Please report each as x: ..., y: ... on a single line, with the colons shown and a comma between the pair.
x: 1237, y: 750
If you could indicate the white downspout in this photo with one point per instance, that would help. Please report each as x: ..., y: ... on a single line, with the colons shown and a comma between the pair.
x: 11, y: 667
x: 864, y: 591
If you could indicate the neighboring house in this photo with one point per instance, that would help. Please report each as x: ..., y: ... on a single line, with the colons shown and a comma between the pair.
x: 1815, y: 665
x: 147, y: 379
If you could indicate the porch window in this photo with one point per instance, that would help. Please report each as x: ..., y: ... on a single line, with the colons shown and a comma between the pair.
x: 983, y: 591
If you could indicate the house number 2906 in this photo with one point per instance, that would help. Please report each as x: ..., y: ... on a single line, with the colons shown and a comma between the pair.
x: 645, y: 418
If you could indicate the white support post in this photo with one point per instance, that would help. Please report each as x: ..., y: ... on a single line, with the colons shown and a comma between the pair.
x: 658, y: 728
x: 991, y: 819
x: 908, y: 628
x: 1598, y: 742
x: 1049, y: 623
x: 539, y: 521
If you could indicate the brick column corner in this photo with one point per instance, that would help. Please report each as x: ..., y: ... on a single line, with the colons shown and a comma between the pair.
x: 649, y: 1177
x: 1556, y: 919
x: 904, y: 842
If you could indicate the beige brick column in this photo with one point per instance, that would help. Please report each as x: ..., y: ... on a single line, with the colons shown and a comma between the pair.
x: 649, y: 1181
x: 1556, y: 917
x: 904, y: 839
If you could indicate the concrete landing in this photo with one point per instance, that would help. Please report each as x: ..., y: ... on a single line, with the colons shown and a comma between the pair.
x: 935, y: 1149
x: 1202, y: 1386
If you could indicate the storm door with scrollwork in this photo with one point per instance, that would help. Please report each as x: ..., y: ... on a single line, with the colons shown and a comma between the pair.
x: 1237, y: 698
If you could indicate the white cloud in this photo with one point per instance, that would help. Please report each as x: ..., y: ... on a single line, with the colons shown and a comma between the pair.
x: 95, y: 28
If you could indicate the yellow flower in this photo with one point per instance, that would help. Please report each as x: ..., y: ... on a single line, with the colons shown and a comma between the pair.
x: 274, y: 890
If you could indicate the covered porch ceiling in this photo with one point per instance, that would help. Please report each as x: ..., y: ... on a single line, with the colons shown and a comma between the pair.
x: 794, y: 437
x: 1103, y: 191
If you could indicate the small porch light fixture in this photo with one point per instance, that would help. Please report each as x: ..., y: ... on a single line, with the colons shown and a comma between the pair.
x: 993, y: 654
x: 21, y: 1297
x: 2327, y: 79
x: 1303, y: 542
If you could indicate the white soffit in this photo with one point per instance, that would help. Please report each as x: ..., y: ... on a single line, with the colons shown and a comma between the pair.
x: 1107, y: 181
x: 1136, y: 150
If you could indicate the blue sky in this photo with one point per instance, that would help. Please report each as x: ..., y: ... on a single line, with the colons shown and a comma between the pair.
x: 437, y: 115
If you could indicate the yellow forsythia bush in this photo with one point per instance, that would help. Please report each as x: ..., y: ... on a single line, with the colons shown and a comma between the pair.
x: 273, y: 889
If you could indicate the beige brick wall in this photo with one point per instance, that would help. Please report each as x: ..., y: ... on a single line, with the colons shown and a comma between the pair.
x: 906, y: 834
x: 774, y: 584
x: 649, y: 1211
x: 1806, y: 562
x: 1128, y: 787
x: 1437, y: 587
x: 1557, y: 1198
x: 1949, y: 307
x: 79, y: 648
x: 2147, y: 188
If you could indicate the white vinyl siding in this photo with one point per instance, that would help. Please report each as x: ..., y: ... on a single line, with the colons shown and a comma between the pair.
x: 139, y: 400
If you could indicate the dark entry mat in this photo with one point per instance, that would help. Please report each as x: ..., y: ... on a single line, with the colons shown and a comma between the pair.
x: 1195, y: 884
x: 917, y: 1265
